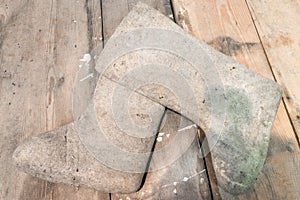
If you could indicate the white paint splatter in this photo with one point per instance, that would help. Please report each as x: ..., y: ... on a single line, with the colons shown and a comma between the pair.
x: 175, y: 191
x: 165, y: 185
x: 229, y: 180
x: 168, y: 135
x: 187, y: 127
x: 185, y: 179
x: 161, y: 134
x: 88, y: 76
x: 86, y: 58
x: 201, y: 180
x: 159, y: 139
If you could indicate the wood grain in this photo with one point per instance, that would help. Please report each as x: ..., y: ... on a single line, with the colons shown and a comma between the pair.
x: 113, y: 13
x: 115, y: 10
x: 41, y: 44
x: 185, y: 177
x: 23, y: 86
x: 228, y: 27
x: 87, y: 38
x: 277, y: 23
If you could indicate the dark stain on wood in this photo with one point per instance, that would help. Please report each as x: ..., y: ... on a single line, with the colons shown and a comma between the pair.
x: 89, y: 22
x: 61, y: 81
x: 6, y: 74
x: 228, y: 45
x: 50, y: 90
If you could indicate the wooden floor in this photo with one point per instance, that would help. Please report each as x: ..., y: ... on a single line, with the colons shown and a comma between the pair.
x: 41, y: 43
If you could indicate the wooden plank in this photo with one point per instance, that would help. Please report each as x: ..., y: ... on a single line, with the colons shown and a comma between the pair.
x: 21, y: 74
x: 185, y: 177
x: 8, y: 9
x: 65, y: 192
x: 228, y: 27
x: 89, y: 17
x: 115, y: 10
x: 41, y: 43
x: 277, y: 23
x: 113, y: 13
x: 214, y: 189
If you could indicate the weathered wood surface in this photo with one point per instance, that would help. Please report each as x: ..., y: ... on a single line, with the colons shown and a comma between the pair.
x: 41, y: 45
x: 113, y: 13
x: 230, y: 29
x: 185, y: 178
x: 214, y: 189
x: 115, y: 10
x: 277, y: 23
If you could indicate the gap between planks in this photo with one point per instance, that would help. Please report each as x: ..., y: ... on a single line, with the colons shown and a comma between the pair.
x: 111, y: 24
x: 232, y: 19
x: 272, y: 71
